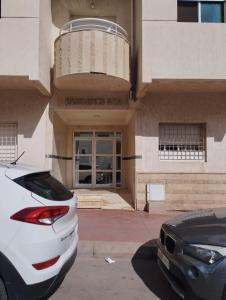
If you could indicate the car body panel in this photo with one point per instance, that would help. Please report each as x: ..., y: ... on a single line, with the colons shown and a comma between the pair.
x: 206, y: 227
x: 23, y: 253
x: 25, y: 244
x: 68, y: 220
x: 210, y: 279
x: 15, y: 171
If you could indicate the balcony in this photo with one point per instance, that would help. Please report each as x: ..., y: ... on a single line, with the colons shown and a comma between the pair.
x: 92, y: 55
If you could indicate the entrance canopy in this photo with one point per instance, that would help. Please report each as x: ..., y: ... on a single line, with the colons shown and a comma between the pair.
x: 95, y: 117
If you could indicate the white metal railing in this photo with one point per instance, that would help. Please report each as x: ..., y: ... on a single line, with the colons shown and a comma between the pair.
x: 94, y: 24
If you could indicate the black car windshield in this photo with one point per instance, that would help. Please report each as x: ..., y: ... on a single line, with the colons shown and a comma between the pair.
x: 44, y: 185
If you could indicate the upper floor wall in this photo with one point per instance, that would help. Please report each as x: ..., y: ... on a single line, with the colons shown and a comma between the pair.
x: 20, y: 8
x: 162, y: 47
x: 26, y: 44
x: 161, y: 10
x: 179, y: 47
x: 30, y: 29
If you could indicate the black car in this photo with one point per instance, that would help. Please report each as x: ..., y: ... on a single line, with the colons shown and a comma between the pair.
x: 192, y: 254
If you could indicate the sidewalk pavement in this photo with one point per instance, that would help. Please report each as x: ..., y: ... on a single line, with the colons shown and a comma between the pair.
x: 119, y: 232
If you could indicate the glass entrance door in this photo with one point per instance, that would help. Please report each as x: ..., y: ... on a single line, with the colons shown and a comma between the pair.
x: 104, y: 162
x: 97, y: 159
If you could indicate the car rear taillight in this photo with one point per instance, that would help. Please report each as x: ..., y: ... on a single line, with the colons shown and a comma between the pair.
x: 46, y: 215
x: 46, y: 264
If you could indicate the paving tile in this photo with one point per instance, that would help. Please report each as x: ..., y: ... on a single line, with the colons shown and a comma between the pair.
x: 119, y: 225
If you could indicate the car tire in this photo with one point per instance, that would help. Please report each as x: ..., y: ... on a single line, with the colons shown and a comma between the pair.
x: 3, y: 293
x: 52, y: 291
x: 191, y: 296
x: 224, y: 294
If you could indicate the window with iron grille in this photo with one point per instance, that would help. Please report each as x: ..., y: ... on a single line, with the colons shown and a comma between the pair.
x: 8, y: 141
x: 182, y: 142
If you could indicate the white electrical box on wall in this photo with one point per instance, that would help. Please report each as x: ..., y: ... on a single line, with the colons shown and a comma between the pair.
x: 156, y: 192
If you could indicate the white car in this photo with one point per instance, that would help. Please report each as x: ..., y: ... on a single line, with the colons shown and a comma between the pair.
x: 38, y: 225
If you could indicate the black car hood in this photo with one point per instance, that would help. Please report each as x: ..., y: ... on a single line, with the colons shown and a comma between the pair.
x: 206, y: 227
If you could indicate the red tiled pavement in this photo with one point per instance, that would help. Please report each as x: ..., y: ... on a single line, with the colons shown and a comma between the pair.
x: 119, y: 225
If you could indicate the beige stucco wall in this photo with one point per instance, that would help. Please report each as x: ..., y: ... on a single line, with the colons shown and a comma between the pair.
x: 138, y: 44
x: 46, y: 47
x: 30, y: 112
x: 26, y: 41
x: 209, y: 108
x: 183, y: 51
x: 59, y: 148
x: 164, y: 49
x: 19, y: 8
x: 173, y: 50
x: 60, y: 15
x: 130, y: 172
x: 19, y: 47
x: 160, y: 10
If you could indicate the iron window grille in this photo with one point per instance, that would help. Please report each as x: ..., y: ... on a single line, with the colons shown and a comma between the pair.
x: 8, y: 141
x: 182, y: 142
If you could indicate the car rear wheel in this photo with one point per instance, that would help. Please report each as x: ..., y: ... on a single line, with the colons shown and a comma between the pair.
x: 52, y: 291
x: 224, y: 294
x: 3, y: 293
x: 191, y: 296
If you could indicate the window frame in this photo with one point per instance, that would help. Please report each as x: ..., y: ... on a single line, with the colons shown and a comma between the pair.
x: 200, y: 9
x: 203, y: 138
x: 13, y: 125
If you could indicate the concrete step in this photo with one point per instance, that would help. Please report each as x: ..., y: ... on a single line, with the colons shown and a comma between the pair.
x: 104, y: 199
x: 89, y: 202
x: 118, y: 205
x: 116, y: 199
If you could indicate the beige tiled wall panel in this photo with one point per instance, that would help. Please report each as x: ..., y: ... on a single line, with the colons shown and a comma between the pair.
x: 185, y: 191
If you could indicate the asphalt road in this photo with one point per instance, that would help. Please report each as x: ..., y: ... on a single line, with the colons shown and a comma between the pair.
x: 93, y: 279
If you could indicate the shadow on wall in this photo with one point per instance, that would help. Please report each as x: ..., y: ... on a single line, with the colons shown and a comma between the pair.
x: 145, y: 265
x: 59, y: 147
x: 25, y: 108
x: 116, y: 11
x: 60, y: 13
x: 168, y: 107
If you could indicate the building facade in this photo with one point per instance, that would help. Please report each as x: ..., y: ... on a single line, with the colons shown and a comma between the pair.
x: 124, y: 101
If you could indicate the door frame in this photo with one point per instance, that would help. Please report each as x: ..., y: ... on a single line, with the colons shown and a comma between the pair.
x: 117, y: 135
